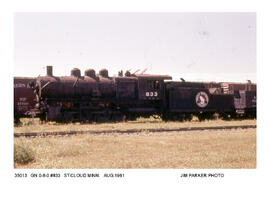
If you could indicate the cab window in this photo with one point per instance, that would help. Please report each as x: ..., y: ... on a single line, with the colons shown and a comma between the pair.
x: 153, y: 84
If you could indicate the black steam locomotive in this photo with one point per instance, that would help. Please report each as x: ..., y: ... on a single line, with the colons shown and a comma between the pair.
x: 99, y: 98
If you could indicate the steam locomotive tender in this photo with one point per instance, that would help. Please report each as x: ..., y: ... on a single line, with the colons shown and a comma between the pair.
x: 98, y: 97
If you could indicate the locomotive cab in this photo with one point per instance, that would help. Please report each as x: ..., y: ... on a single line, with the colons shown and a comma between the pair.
x: 151, y: 87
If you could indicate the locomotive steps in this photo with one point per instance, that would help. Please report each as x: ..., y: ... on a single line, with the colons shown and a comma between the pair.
x: 130, y: 131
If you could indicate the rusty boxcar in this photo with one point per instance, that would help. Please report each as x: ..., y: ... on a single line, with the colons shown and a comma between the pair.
x: 24, y: 97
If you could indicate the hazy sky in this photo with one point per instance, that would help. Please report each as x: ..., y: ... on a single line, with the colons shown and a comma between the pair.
x: 194, y: 46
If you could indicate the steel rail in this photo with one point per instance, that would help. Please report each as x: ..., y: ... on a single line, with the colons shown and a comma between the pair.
x: 65, y: 133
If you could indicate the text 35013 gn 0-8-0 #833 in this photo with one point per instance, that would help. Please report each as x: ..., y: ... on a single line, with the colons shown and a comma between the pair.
x: 69, y: 175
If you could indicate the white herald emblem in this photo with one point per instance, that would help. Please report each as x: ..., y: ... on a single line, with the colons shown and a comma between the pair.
x: 202, y: 99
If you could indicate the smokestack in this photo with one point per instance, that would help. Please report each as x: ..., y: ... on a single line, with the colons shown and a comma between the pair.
x: 49, y: 70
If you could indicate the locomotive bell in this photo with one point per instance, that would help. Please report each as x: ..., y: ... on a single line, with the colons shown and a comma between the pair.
x: 49, y: 70
x: 76, y: 72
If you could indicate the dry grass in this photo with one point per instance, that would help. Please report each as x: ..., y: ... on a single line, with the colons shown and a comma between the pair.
x: 196, y: 149
x: 22, y: 153
x: 33, y: 125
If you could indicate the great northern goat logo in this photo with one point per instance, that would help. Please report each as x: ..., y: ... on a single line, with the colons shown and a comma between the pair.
x: 202, y: 99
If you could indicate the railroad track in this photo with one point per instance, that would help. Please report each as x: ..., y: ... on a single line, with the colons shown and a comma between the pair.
x: 67, y: 133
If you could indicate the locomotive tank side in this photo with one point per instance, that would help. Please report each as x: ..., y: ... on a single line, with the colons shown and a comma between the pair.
x: 186, y: 99
x: 196, y: 100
